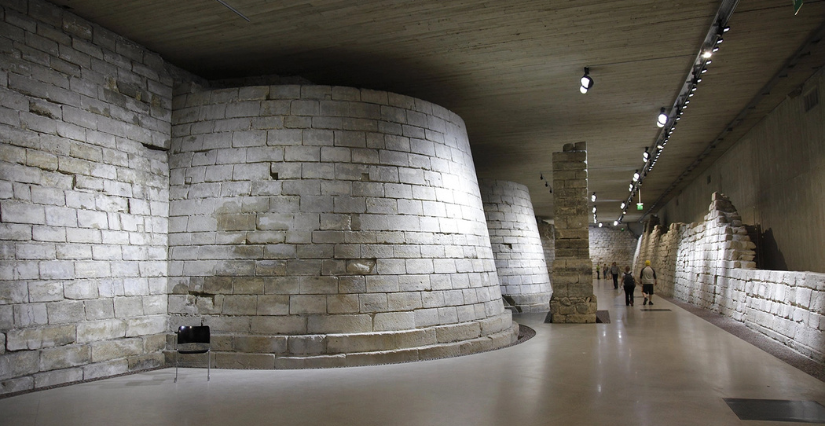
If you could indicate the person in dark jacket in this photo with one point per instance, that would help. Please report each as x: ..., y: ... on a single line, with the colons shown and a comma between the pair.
x: 629, y: 284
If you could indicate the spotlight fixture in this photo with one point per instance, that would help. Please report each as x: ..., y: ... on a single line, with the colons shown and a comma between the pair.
x: 615, y: 223
x: 659, y: 148
x: 715, y: 49
x: 594, y: 209
x: 623, y: 206
x: 593, y: 197
x: 630, y: 188
x: 721, y: 29
x: 600, y: 224
x: 586, y: 81
x: 636, y: 176
x: 662, y: 119
x: 707, y: 54
x: 541, y: 176
x: 646, y: 155
x: 719, y: 40
x: 546, y: 184
x: 708, y: 62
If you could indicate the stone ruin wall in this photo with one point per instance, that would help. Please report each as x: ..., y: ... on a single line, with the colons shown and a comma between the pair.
x: 83, y: 200
x: 609, y: 245
x: 517, y: 247
x: 85, y: 123
x: 548, y: 244
x: 710, y: 264
x: 316, y: 226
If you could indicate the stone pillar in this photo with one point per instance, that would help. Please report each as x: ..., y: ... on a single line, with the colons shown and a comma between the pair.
x: 573, y: 300
x: 516, y: 244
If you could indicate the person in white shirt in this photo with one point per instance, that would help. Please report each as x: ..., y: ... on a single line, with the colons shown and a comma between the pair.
x: 648, y: 278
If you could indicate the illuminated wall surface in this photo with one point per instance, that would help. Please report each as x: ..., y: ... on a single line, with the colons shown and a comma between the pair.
x: 516, y: 244
x: 307, y: 225
x: 328, y: 226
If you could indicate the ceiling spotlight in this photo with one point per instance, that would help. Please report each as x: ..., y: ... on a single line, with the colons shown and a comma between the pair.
x: 686, y: 103
x: 630, y: 188
x: 541, y: 176
x: 719, y: 40
x: 593, y: 197
x: 594, y: 209
x: 707, y: 54
x: 708, y: 62
x: 623, y: 206
x: 600, y: 224
x: 721, y: 29
x: 586, y: 81
x: 704, y: 70
x: 646, y: 155
x: 546, y: 184
x: 615, y: 223
x: 660, y: 147
x: 662, y: 119
x: 715, y: 49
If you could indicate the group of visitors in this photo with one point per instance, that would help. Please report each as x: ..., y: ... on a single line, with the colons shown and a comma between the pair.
x: 647, y: 276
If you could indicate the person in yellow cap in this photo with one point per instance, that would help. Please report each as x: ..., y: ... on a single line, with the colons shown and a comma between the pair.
x: 648, y: 278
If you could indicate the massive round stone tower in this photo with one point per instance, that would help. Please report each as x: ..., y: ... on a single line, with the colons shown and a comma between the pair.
x: 516, y: 244
x: 316, y: 226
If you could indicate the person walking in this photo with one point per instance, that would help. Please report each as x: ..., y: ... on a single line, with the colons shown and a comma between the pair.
x: 598, y: 270
x: 629, y: 284
x: 648, y: 278
x: 614, y: 270
x: 604, y: 271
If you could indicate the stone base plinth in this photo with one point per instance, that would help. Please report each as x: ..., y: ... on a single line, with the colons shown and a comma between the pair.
x: 575, y: 310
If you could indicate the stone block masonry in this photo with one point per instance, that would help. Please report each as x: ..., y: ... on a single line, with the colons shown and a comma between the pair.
x: 609, y: 245
x: 517, y: 248
x: 84, y: 115
x: 573, y: 300
x: 316, y: 226
x: 710, y: 264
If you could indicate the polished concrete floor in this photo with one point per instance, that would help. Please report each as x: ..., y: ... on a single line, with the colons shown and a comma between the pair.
x: 645, y: 368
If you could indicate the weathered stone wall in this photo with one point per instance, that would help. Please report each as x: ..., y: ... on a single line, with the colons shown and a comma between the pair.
x: 573, y: 300
x: 83, y: 200
x: 609, y: 245
x: 517, y: 248
x: 775, y: 175
x: 710, y: 264
x: 548, y: 244
x: 328, y: 226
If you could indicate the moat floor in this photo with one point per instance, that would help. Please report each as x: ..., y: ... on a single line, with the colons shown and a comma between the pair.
x: 661, y: 367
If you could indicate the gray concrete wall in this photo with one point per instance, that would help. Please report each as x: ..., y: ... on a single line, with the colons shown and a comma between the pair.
x: 328, y: 226
x: 775, y: 176
x: 710, y: 264
x: 83, y: 200
x: 517, y: 247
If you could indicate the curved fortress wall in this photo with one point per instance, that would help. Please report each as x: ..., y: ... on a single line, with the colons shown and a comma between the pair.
x: 514, y: 237
x: 328, y: 226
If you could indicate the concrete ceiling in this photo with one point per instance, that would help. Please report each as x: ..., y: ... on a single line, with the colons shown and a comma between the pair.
x: 511, y: 70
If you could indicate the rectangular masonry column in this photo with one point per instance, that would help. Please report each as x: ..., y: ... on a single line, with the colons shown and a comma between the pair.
x: 573, y: 300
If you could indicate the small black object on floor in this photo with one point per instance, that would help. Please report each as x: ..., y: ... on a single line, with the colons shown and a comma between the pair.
x: 777, y: 410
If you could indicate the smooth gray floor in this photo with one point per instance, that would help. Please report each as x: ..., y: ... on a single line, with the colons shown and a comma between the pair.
x: 645, y: 368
